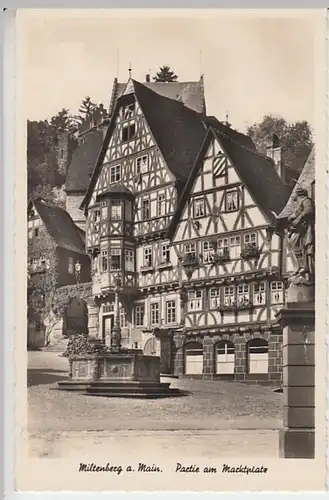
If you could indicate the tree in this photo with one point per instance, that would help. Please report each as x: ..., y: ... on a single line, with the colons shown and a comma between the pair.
x: 165, y: 74
x: 295, y: 139
x: 86, y: 108
x: 62, y: 122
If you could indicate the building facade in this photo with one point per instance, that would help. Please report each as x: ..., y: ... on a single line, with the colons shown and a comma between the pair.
x: 180, y: 209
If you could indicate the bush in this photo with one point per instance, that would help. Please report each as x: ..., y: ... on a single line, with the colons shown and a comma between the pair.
x: 79, y: 345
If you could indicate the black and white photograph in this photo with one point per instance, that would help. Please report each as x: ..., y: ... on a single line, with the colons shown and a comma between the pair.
x: 174, y: 187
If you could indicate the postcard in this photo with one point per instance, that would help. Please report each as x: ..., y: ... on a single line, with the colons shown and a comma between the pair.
x: 170, y: 250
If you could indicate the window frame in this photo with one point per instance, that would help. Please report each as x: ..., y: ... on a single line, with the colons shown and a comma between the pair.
x: 139, y: 170
x: 116, y: 252
x: 129, y: 126
x: 139, y: 315
x: 261, y: 292
x: 154, y: 308
x: 165, y: 259
x: 148, y: 201
x: 196, y: 213
x: 215, y: 300
x: 116, y: 204
x: 149, y: 250
x: 104, y: 258
x: 161, y: 204
x: 228, y: 192
x: 196, y: 300
x: 114, y: 170
x: 207, y: 254
x: 171, y: 312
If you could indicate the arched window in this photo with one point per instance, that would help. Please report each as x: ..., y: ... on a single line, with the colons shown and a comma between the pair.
x: 257, y: 356
x: 152, y: 347
x: 193, y: 358
x: 224, y: 351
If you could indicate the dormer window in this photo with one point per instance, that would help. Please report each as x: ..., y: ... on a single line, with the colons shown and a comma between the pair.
x: 116, y: 210
x: 128, y: 131
x: 115, y: 174
x: 142, y: 164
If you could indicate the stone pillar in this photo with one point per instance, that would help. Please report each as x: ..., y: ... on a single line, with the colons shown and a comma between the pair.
x: 208, y: 358
x: 240, y: 366
x: 116, y: 330
x: 178, y: 353
x: 298, y: 321
x: 93, y: 319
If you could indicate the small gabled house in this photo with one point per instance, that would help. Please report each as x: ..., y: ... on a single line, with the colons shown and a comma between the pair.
x: 56, y: 257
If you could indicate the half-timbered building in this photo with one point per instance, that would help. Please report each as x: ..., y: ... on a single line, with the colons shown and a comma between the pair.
x: 180, y: 208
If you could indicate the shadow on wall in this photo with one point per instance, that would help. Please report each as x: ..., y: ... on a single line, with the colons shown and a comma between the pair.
x: 44, y: 376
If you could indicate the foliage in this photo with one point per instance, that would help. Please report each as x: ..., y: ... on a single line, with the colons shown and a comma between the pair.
x: 165, y: 74
x: 86, y: 108
x: 79, y: 345
x: 295, y: 139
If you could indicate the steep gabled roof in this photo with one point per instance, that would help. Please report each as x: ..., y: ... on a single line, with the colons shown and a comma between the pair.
x: 305, y: 180
x: 189, y: 93
x: 61, y: 227
x: 83, y: 162
x: 177, y: 130
x: 256, y: 171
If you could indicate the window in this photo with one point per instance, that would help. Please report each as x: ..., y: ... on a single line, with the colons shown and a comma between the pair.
x: 123, y: 318
x: 198, y: 208
x: 232, y: 200
x: 30, y: 233
x: 139, y: 315
x: 128, y: 111
x: 155, y: 313
x: 257, y: 350
x: 229, y: 295
x: 115, y: 174
x: 223, y: 246
x: 70, y: 268
x: 96, y: 217
x: 276, y: 292
x: 214, y: 298
x: 190, y: 250
x: 104, y: 212
x: 129, y: 261
x: 146, y: 212
x: 142, y: 164
x: 36, y: 232
x: 243, y: 294
x: 148, y: 261
x: 194, y: 300
x: 250, y: 239
x: 208, y: 252
x: 235, y: 247
x: 128, y: 132
x: 259, y: 293
x: 116, y: 210
x: 108, y: 308
x: 170, y: 312
x: 165, y: 253
x: 104, y: 260
x: 115, y: 258
x: 161, y: 204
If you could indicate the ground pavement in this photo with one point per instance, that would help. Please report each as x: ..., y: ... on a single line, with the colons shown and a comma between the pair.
x: 217, y: 418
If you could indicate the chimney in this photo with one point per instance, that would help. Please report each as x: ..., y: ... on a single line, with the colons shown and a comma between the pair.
x: 274, y: 151
x: 148, y: 78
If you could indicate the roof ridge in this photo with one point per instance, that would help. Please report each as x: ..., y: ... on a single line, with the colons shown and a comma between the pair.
x: 250, y: 150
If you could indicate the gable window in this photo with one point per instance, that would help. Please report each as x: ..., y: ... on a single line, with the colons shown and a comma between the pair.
x: 250, y: 240
x: 115, y: 174
x: 128, y: 111
x: 104, y: 261
x: 155, y: 313
x: 243, y: 294
x: 70, y: 268
x: 139, y: 315
x: 165, y: 253
x: 142, y: 164
x: 96, y: 217
x: 194, y: 300
x: 170, y: 312
x: 161, y: 204
x: 259, y: 293
x: 190, y: 250
x: 214, y: 298
x: 198, y: 208
x: 232, y: 200
x: 129, y: 260
x: 276, y: 292
x: 146, y: 211
x: 116, y: 210
x: 128, y: 131
x: 208, y: 252
x: 148, y: 261
x: 229, y: 295
x: 115, y: 259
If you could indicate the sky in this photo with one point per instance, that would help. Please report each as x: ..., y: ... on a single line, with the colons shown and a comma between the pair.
x: 252, y: 64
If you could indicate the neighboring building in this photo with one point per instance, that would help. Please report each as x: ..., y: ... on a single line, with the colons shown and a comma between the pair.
x: 91, y: 135
x: 56, y: 252
x: 180, y: 206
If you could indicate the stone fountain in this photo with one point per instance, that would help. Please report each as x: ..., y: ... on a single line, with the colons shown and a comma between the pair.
x: 117, y: 372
